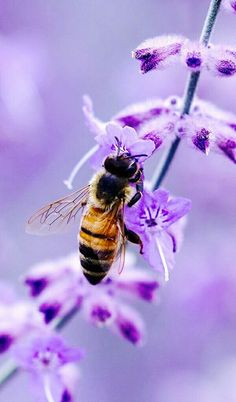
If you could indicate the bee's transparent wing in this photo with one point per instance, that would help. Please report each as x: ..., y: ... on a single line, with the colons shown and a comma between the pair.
x: 57, y: 216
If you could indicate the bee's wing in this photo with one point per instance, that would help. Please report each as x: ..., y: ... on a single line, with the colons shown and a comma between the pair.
x: 58, y: 215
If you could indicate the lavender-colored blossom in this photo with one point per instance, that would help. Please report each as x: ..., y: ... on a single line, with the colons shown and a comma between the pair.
x: 129, y: 325
x: 197, y: 131
x: 230, y: 5
x: 50, y: 363
x: 153, y: 219
x: 201, y: 128
x: 193, y: 55
x: 95, y: 125
x: 41, y: 275
x: 124, y: 138
x: 100, y: 306
x: 221, y: 60
x: 136, y: 114
x: 17, y: 319
x: 158, y: 52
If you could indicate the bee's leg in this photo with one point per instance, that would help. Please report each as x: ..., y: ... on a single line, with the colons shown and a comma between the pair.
x: 139, y: 189
x: 133, y: 238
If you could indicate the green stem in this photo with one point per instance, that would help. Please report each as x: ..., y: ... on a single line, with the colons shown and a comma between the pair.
x: 189, y: 93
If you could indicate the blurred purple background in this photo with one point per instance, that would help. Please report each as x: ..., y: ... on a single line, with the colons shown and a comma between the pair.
x: 51, y: 53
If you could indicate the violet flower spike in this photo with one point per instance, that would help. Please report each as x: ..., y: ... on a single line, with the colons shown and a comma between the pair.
x: 101, y: 306
x: 155, y: 220
x: 159, y: 52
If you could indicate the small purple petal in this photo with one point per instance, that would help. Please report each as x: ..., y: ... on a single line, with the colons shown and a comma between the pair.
x: 129, y: 331
x: 154, y: 136
x: 158, y: 52
x: 229, y: 149
x: 36, y: 285
x: 66, y: 396
x: 6, y: 341
x: 192, y: 55
x: 230, y: 5
x: 49, y: 311
x: 129, y: 325
x: 221, y: 61
x: 139, y: 116
x: 176, y: 209
x: 201, y: 140
x: 226, y: 67
x: 100, y: 313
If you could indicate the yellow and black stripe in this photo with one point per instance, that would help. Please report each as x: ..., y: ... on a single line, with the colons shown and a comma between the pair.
x: 98, y: 243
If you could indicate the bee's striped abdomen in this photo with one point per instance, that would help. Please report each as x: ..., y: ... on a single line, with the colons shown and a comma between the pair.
x: 98, y: 242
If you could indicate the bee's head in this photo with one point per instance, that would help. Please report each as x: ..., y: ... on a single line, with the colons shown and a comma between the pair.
x: 124, y: 165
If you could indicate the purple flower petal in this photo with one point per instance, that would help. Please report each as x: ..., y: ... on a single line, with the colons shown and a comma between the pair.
x: 228, y: 147
x: 137, y: 114
x: 50, y: 311
x: 158, y: 53
x: 130, y: 326
x: 176, y: 208
x: 6, y: 341
x: 221, y: 61
x: 193, y: 55
x: 99, y: 309
x: 230, y: 5
x: 36, y: 285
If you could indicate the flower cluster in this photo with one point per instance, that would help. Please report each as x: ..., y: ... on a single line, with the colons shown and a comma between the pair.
x: 59, y: 286
x: 37, y: 349
x: 159, y: 121
x: 160, y: 52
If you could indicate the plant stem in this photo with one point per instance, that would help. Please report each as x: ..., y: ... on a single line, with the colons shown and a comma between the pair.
x: 190, y: 90
x: 9, y: 369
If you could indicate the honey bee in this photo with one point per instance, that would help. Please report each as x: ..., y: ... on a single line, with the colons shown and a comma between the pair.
x: 103, y: 233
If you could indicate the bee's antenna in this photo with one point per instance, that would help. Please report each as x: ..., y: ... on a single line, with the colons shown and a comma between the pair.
x: 118, y: 146
x: 137, y: 156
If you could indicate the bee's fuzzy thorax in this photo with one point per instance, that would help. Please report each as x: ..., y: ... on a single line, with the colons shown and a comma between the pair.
x: 101, y: 203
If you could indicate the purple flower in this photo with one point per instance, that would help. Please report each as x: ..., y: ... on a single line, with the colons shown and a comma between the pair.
x: 221, y: 61
x: 17, y: 320
x: 124, y: 138
x: 137, y: 114
x: 193, y: 55
x: 230, y: 5
x: 197, y: 131
x: 155, y: 220
x: 101, y: 306
x: 95, y: 125
x: 138, y: 283
x: 159, y: 52
x: 129, y: 325
x: 50, y: 363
